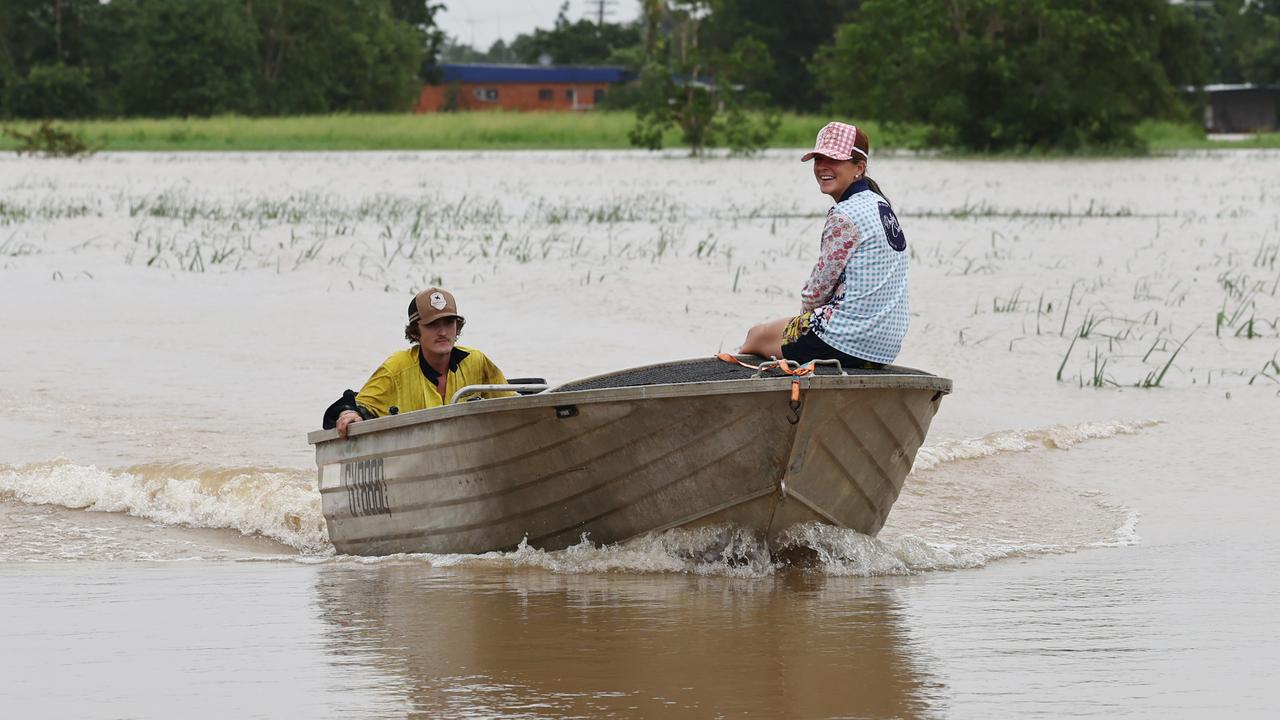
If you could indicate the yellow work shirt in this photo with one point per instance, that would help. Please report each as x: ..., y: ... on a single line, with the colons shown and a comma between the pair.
x: 407, y: 382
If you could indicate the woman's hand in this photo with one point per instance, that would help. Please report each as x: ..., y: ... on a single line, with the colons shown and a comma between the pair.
x: 345, y: 418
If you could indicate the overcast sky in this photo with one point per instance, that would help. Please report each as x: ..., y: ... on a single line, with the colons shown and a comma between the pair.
x: 479, y: 22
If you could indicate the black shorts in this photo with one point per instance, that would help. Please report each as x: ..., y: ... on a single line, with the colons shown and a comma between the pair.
x: 808, y: 346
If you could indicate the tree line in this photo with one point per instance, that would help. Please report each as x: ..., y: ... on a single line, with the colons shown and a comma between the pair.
x: 122, y: 58
x: 979, y: 74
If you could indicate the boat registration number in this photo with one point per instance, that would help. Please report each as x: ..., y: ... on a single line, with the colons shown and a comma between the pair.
x: 366, y: 488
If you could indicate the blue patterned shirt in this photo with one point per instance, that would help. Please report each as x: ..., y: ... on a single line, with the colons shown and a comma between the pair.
x: 858, y: 289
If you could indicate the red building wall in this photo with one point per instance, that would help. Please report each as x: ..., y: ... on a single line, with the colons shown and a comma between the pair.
x: 513, y: 96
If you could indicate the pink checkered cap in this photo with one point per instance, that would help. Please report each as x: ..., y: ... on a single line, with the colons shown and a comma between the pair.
x: 837, y: 141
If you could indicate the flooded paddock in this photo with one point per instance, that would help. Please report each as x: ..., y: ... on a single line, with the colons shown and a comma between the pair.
x: 1087, y: 530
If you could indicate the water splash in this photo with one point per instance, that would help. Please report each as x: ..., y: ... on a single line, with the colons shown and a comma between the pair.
x: 724, y: 550
x: 838, y: 551
x: 277, y: 503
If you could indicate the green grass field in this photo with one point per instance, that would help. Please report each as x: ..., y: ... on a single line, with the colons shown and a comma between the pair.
x: 1166, y: 136
x: 483, y: 131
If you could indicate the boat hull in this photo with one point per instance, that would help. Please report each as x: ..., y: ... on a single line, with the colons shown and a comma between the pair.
x: 612, y: 464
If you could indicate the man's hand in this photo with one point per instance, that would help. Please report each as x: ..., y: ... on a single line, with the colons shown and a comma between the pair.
x: 345, y: 418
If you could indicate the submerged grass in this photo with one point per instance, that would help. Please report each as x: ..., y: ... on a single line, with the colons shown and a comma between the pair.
x: 1123, y: 324
x: 1155, y: 378
x: 1270, y: 370
x: 375, y: 235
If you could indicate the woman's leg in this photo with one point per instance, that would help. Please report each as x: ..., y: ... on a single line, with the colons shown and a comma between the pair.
x: 765, y: 339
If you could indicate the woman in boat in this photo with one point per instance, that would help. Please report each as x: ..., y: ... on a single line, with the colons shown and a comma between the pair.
x: 422, y: 376
x: 854, y: 306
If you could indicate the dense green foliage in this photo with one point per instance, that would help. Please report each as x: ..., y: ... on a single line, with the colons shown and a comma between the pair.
x: 788, y: 32
x: 195, y: 58
x: 1242, y: 39
x: 52, y: 91
x: 1013, y: 74
x: 72, y: 58
x: 1260, y: 53
x: 701, y: 89
x: 321, y: 56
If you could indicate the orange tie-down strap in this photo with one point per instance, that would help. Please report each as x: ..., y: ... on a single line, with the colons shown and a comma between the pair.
x: 782, y: 365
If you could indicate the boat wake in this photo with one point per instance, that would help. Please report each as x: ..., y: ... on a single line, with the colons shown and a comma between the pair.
x: 951, y: 515
x: 279, y: 504
x: 1060, y: 437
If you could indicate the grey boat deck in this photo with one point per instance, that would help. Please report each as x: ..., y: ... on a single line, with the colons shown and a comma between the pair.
x: 709, y: 370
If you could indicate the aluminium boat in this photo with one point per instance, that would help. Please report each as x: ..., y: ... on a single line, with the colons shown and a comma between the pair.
x: 615, y: 456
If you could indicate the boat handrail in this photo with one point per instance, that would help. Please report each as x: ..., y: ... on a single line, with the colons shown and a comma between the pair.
x: 523, y: 389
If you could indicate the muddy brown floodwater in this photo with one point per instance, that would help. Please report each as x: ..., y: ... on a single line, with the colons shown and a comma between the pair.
x: 1088, y: 530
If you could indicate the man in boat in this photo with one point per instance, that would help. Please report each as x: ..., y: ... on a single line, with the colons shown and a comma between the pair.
x: 424, y: 375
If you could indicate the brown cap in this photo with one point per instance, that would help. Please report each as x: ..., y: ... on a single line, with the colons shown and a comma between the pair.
x: 432, y: 304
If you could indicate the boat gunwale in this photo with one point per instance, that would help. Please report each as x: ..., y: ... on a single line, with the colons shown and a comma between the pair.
x: 910, y: 380
x: 755, y: 359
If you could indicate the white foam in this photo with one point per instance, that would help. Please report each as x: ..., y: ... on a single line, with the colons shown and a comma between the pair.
x: 710, y: 550
x: 1127, y: 534
x: 725, y: 550
x: 1060, y: 437
x: 279, y: 504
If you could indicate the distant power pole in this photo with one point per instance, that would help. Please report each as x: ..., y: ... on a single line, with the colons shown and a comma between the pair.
x: 603, y: 8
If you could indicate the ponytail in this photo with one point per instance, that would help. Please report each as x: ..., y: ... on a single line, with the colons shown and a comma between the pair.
x: 875, y: 188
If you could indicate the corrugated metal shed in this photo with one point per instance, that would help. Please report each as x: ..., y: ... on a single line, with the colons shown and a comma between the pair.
x: 1242, y: 108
